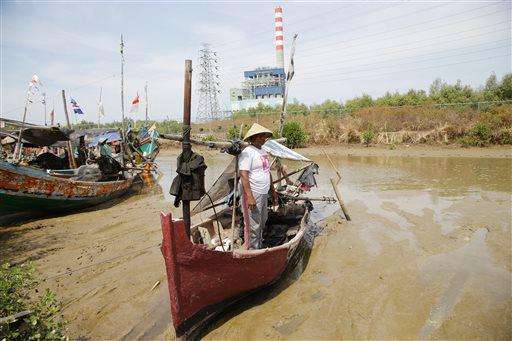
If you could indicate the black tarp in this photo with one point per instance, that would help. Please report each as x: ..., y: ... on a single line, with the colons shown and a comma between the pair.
x: 45, y: 136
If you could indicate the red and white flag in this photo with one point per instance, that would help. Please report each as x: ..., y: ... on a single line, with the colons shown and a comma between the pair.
x: 135, y: 105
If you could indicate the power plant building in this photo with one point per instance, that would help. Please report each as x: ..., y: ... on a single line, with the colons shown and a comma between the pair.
x: 265, y: 85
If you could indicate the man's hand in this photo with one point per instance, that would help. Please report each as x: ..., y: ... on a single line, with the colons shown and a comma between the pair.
x: 251, y: 203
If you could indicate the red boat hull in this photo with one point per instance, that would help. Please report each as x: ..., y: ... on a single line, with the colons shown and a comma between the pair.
x: 201, y: 279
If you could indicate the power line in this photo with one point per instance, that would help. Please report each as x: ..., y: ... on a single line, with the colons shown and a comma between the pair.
x: 264, y: 39
x: 405, y: 27
x: 291, y: 22
x: 381, y: 53
x: 395, y: 65
x: 409, y: 70
x: 323, y: 51
x: 316, y: 66
x: 57, y: 92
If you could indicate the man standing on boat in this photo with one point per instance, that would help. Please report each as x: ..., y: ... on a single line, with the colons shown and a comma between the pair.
x: 254, y: 167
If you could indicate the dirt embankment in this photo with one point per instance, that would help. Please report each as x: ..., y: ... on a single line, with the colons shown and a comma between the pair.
x: 387, y: 126
x: 170, y: 147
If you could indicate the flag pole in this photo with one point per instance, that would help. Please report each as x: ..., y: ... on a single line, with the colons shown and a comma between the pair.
x: 122, y: 97
x: 72, y: 163
x: 52, y: 117
x: 45, y: 120
x: 17, y: 150
x: 99, y: 109
x: 146, y: 91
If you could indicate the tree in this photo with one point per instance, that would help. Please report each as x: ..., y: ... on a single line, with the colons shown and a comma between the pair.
x: 328, y: 108
x: 504, y: 90
x: 365, y: 101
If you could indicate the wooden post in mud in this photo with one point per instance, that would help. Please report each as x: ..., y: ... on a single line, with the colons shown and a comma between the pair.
x: 72, y: 163
x: 333, y: 166
x: 186, y: 147
x: 340, y: 200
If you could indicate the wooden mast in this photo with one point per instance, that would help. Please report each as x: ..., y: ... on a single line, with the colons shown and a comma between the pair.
x: 122, y: 99
x: 146, y: 94
x: 17, y: 150
x: 72, y: 163
x: 99, y: 107
x: 185, y: 144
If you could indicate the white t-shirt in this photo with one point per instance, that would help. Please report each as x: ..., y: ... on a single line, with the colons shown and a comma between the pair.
x: 256, y: 161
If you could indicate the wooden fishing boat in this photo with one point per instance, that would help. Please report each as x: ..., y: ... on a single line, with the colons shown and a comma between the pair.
x: 31, y: 190
x: 204, y: 282
x: 206, y: 276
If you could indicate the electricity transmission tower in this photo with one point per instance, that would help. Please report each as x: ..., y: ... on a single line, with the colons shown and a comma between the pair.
x: 208, y: 85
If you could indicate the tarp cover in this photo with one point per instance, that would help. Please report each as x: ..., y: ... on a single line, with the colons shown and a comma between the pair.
x: 45, y: 136
x: 111, y: 136
x: 276, y: 149
x: 224, y: 183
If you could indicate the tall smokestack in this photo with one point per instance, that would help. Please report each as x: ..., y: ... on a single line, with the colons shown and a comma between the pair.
x: 278, y: 22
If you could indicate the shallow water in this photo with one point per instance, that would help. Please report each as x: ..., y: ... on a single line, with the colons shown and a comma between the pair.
x: 426, y: 255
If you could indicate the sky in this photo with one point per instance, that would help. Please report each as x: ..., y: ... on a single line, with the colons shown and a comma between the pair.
x: 343, y: 49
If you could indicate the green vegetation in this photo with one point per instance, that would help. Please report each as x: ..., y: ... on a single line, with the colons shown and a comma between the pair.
x: 18, y: 291
x: 444, y: 113
x: 367, y: 137
x: 233, y: 133
x: 164, y: 127
x: 208, y: 138
x: 294, y: 134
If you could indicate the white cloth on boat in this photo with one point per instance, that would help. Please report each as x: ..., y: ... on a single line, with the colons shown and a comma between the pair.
x: 256, y: 161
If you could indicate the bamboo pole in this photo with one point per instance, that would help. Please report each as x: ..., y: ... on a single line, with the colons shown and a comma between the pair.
x: 290, y: 174
x: 146, y: 93
x: 234, y: 234
x: 340, y: 200
x: 332, y: 165
x: 17, y: 149
x: 99, y: 108
x: 211, y: 144
x: 72, y: 162
x: 185, y: 144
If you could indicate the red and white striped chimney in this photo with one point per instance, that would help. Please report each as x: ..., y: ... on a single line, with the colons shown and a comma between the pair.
x: 278, y: 22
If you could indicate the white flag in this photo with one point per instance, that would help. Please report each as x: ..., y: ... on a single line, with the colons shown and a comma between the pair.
x: 101, y: 111
x: 35, y: 87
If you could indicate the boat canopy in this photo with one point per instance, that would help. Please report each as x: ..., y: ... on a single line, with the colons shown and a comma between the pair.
x: 35, y: 135
x: 111, y: 136
x: 224, y: 184
x: 45, y: 136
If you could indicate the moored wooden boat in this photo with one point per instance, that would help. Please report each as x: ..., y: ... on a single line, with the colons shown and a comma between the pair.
x: 204, y: 282
x: 30, y: 190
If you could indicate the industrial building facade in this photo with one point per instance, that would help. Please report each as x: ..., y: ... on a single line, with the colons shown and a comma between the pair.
x: 265, y: 85
x: 262, y: 85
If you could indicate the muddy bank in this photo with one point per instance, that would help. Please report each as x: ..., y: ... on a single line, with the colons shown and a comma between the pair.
x: 427, y: 255
x: 171, y: 148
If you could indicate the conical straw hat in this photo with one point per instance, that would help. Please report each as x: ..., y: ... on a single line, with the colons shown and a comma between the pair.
x: 257, y: 129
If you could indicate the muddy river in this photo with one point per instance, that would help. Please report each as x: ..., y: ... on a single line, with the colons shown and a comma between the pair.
x: 426, y: 255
